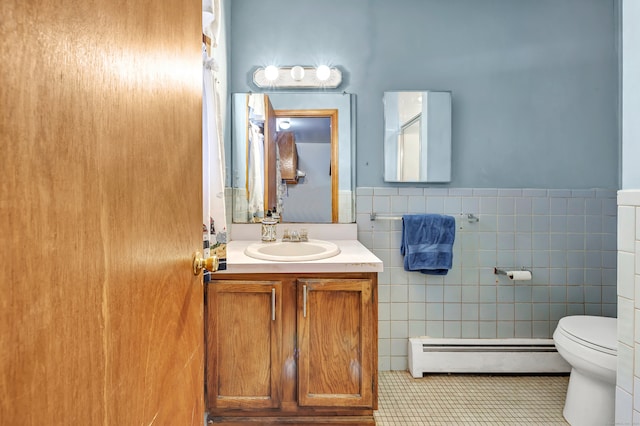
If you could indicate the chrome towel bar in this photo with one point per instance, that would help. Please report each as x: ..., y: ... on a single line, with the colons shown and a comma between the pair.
x: 472, y: 218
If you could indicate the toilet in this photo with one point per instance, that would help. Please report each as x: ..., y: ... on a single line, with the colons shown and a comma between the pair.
x: 589, y: 345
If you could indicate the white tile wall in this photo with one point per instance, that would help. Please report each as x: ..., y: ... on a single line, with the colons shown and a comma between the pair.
x: 626, y: 266
x: 628, y: 377
x: 626, y: 223
x: 624, y: 379
x: 625, y: 321
x: 566, y: 237
x: 623, y: 399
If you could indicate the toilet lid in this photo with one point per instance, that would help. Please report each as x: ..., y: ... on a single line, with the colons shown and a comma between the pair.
x: 596, y: 332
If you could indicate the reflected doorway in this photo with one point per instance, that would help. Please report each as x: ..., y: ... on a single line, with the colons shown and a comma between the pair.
x: 314, y: 197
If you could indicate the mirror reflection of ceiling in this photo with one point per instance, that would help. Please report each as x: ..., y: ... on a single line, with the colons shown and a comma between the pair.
x: 307, y: 129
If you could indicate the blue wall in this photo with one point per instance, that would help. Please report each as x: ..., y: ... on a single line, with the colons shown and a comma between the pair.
x: 630, y: 95
x: 534, y: 82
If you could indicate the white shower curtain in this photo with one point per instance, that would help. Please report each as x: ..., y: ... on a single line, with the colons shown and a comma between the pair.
x: 214, y: 211
x: 255, y: 178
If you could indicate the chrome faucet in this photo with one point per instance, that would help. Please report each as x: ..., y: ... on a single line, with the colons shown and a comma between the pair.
x: 295, y: 236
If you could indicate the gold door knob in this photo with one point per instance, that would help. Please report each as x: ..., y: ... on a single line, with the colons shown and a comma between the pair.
x: 210, y: 263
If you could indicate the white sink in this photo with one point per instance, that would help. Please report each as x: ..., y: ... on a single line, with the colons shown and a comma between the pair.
x: 285, y: 251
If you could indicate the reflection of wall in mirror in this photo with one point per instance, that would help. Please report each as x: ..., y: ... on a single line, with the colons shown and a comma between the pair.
x: 437, y: 109
x: 339, y: 101
x: 411, y: 163
x: 409, y: 151
x: 417, y: 145
x: 310, y: 199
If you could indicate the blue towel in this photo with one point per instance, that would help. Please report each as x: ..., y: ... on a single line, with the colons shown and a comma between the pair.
x: 427, y: 243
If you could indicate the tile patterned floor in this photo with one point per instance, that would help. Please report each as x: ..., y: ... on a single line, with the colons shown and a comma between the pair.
x: 470, y: 400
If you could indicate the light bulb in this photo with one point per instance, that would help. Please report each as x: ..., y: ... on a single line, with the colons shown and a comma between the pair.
x: 297, y: 73
x: 323, y: 73
x: 285, y: 124
x: 271, y: 72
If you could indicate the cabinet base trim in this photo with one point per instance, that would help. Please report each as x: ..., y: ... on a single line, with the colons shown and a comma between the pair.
x: 299, y: 420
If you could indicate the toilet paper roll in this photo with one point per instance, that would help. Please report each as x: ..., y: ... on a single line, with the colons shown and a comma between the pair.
x: 519, y: 275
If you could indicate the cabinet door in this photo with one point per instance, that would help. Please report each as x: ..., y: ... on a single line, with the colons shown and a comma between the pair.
x: 335, y: 343
x: 288, y: 157
x: 244, y: 343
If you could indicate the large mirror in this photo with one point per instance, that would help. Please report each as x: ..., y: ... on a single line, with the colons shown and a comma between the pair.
x: 417, y: 136
x: 293, y: 153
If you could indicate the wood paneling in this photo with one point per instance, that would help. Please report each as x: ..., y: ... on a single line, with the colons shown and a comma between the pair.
x: 101, y: 319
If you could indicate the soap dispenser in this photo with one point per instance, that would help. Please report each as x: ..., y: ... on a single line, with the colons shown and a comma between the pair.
x: 275, y: 214
x: 269, y: 227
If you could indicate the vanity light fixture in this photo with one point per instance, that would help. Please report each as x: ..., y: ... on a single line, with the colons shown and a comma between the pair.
x: 323, y: 73
x: 322, y: 77
x: 297, y: 73
x: 271, y: 73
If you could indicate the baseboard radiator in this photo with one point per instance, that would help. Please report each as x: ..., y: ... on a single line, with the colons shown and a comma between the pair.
x: 432, y: 355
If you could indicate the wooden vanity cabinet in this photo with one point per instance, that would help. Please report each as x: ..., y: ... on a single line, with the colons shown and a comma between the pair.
x: 244, y: 331
x: 334, y: 341
x: 315, y: 363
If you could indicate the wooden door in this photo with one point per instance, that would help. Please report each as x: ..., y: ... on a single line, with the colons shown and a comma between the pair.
x: 244, y: 344
x: 270, y: 142
x: 101, y: 318
x: 336, y: 343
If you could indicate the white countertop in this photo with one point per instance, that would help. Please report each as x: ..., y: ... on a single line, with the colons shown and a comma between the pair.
x: 353, y: 257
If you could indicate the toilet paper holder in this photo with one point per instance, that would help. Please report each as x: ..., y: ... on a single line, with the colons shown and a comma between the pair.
x: 500, y: 271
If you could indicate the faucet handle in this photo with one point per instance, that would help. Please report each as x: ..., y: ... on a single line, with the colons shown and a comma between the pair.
x: 304, y: 236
